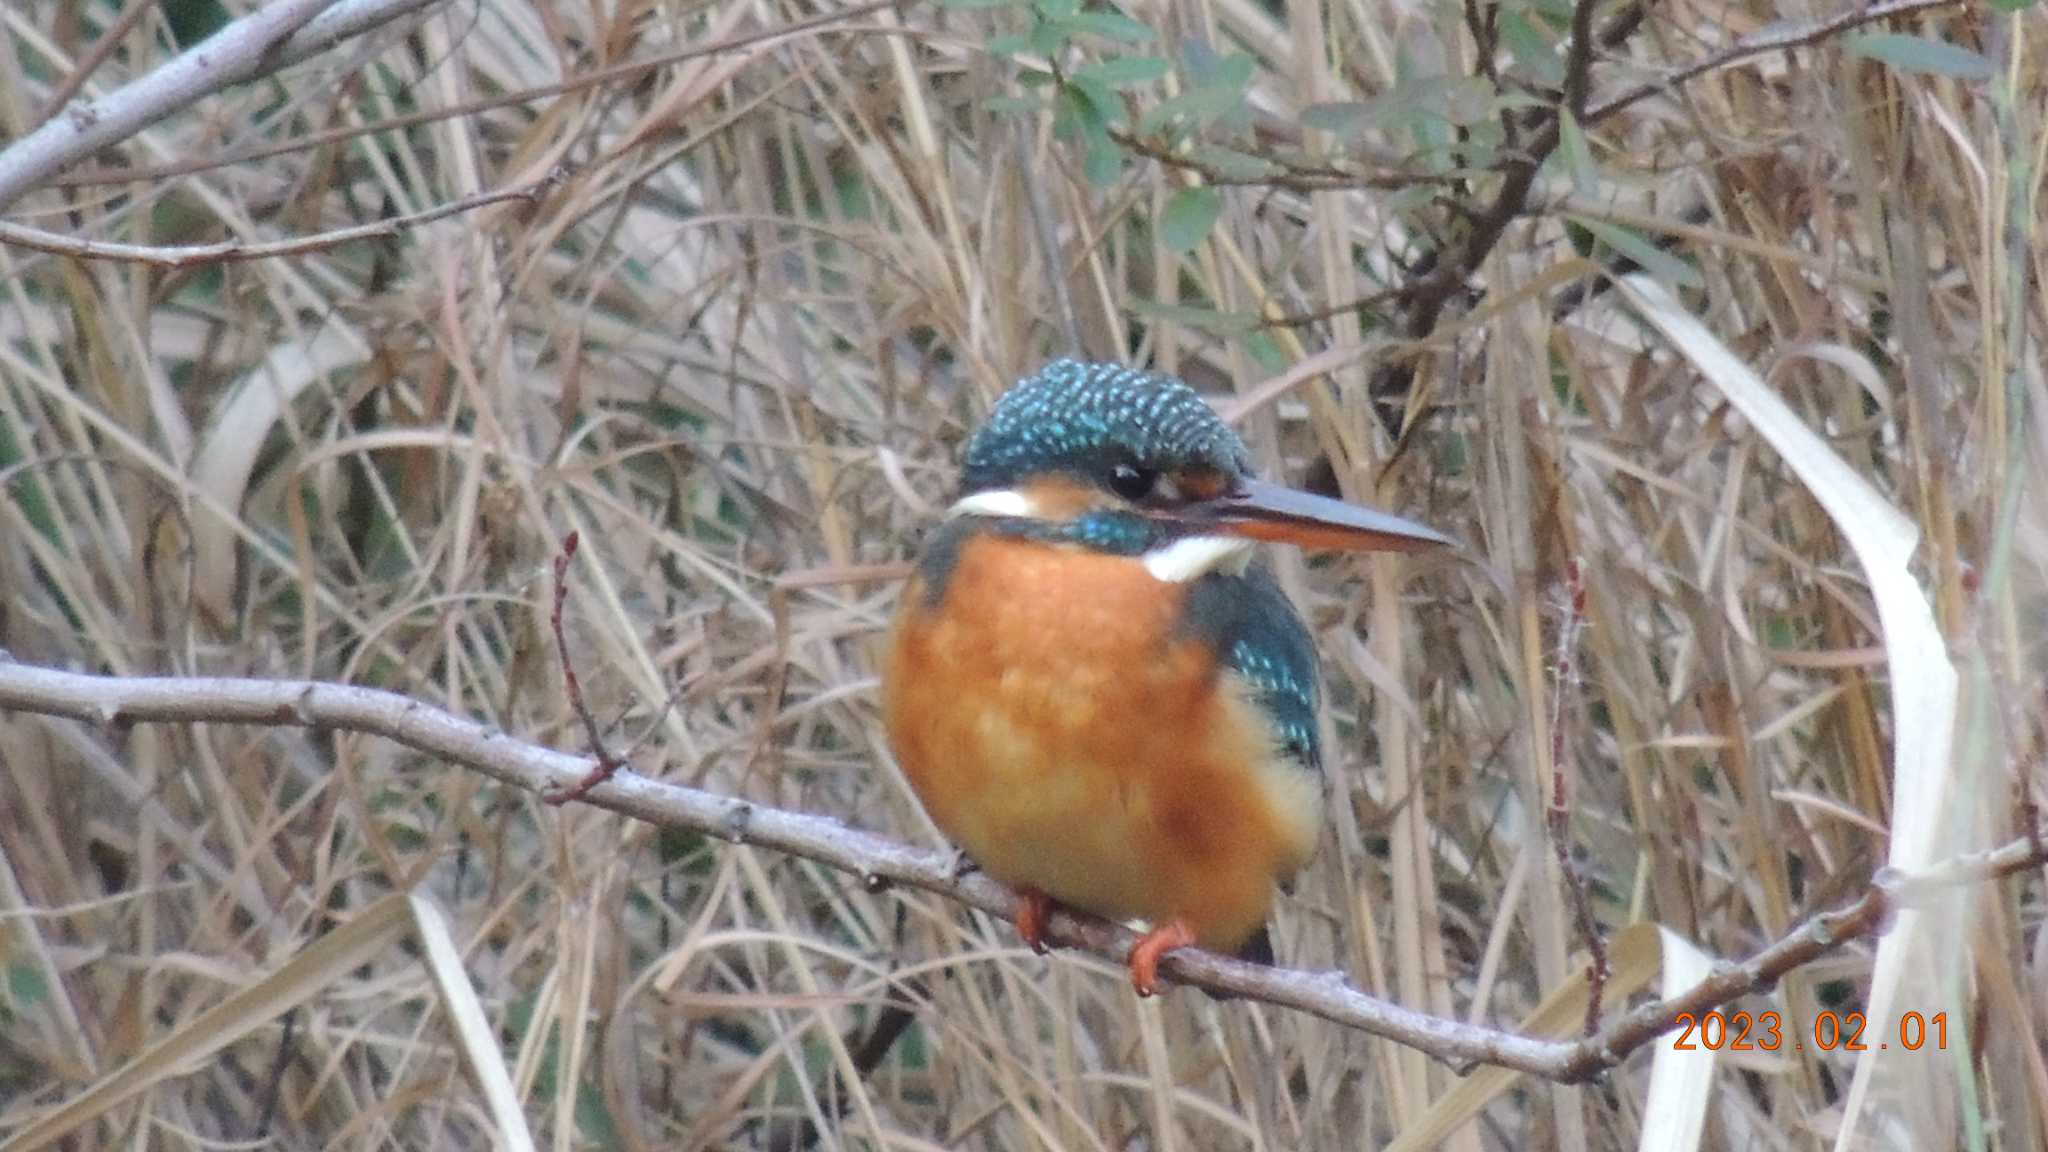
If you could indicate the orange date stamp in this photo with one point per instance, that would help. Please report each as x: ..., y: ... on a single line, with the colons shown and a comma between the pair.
x: 1831, y: 1032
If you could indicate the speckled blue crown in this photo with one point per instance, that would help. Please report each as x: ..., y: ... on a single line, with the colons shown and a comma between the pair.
x: 1084, y: 418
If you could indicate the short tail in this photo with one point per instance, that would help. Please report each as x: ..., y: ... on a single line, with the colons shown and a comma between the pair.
x: 1257, y: 950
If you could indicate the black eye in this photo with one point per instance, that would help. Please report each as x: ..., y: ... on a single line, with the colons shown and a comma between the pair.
x: 1132, y: 482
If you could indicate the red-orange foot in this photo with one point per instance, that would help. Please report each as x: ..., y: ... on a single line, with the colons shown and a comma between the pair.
x: 1034, y: 908
x: 1153, y: 945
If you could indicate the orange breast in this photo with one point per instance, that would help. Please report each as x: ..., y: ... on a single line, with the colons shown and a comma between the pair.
x: 1061, y: 731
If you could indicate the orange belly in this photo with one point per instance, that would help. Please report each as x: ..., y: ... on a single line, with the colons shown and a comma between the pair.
x: 1060, y: 730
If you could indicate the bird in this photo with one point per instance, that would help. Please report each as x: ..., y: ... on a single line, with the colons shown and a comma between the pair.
x: 1094, y: 687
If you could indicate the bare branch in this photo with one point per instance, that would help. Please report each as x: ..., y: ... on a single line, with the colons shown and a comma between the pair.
x: 238, y: 251
x: 608, y: 765
x: 330, y: 26
x: 1776, y: 38
x: 1568, y: 677
x: 881, y: 862
x: 1578, y: 70
x: 109, y: 39
x: 1285, y: 172
x: 345, y: 21
x: 1048, y: 234
x: 236, y: 53
x: 272, y: 37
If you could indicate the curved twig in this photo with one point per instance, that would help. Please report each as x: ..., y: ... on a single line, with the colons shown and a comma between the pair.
x: 239, y: 251
x: 880, y: 862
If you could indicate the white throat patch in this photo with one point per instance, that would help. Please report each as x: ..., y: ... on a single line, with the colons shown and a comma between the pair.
x: 1193, y: 557
x: 1002, y: 502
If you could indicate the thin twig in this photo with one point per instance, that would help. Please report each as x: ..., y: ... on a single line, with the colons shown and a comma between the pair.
x: 1329, y: 312
x: 239, y: 251
x: 1771, y: 40
x: 1560, y: 815
x: 1287, y: 173
x: 116, y: 702
x: 1036, y: 202
x: 607, y: 765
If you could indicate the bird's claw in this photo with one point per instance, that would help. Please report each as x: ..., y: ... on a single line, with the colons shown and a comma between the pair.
x: 1150, y: 948
x: 1034, y: 910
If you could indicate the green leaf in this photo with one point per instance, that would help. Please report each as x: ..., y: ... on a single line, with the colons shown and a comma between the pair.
x: 1104, y: 163
x: 1085, y: 111
x: 1089, y: 116
x: 981, y: 3
x: 1516, y: 101
x: 1921, y: 54
x: 1111, y: 26
x: 1482, y: 140
x: 1032, y: 78
x: 2010, y: 6
x: 1265, y: 351
x: 26, y: 985
x: 1189, y: 215
x: 1057, y: 9
x: 1578, y: 158
x: 1217, y: 91
x: 594, y: 1121
x: 1470, y: 101
x: 1070, y: 114
x: 1532, y: 49
x: 1009, y: 45
x: 1219, y: 96
x: 1195, y: 316
x: 1124, y: 71
x: 1013, y: 104
x: 1409, y: 199
x: 194, y: 20
x: 1233, y: 72
x: 674, y: 845
x: 1197, y: 57
x: 1342, y: 118
x: 1654, y: 260
x: 1103, y: 106
x: 1049, y: 36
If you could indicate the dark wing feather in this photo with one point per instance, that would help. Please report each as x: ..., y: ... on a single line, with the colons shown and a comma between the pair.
x: 1256, y: 635
x: 1252, y: 627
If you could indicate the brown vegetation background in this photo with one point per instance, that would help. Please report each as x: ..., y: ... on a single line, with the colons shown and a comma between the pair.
x: 769, y: 264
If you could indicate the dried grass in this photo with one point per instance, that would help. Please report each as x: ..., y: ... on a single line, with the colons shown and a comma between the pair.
x: 737, y: 348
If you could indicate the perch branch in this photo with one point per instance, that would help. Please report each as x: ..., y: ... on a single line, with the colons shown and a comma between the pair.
x: 115, y: 702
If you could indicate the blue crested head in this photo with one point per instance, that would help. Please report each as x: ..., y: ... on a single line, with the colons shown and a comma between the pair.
x: 1135, y: 463
x: 1120, y: 429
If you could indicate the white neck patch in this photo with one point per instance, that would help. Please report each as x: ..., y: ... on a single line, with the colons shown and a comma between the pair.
x: 1002, y: 502
x: 1192, y: 557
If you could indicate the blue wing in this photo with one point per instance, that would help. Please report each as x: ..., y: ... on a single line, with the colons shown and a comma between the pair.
x: 1256, y: 634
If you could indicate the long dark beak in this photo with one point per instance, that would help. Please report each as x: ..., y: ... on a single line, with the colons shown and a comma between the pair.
x: 1261, y: 511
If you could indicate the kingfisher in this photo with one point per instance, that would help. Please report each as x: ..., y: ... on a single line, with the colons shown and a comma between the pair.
x: 1094, y: 688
